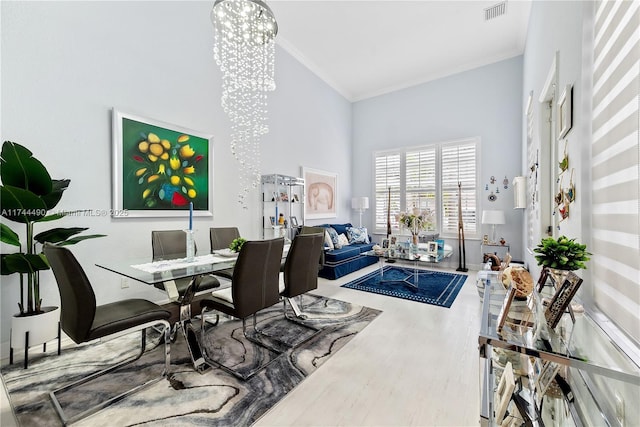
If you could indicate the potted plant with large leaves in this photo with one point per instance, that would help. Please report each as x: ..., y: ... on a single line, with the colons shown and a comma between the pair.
x: 28, y: 194
x: 561, y: 255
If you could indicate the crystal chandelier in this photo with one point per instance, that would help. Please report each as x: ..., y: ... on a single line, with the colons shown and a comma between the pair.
x: 244, y: 50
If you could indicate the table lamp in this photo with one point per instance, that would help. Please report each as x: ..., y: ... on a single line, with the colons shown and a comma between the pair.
x: 360, y: 204
x: 493, y: 218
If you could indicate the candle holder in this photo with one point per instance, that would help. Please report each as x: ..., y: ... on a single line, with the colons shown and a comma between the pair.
x: 191, y: 245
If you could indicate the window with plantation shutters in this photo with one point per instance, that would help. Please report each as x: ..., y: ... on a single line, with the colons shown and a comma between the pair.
x: 420, y: 179
x: 427, y: 177
x: 459, y: 167
x: 387, y: 180
x: 615, y: 169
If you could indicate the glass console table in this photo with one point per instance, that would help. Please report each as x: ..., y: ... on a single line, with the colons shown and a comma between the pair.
x: 571, y: 375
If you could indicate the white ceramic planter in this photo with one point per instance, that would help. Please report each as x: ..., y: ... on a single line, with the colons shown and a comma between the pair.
x: 42, y: 328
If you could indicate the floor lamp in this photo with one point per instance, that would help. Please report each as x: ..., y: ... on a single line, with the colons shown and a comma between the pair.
x: 360, y: 204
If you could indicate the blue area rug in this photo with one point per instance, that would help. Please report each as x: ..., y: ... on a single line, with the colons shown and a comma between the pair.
x: 433, y: 287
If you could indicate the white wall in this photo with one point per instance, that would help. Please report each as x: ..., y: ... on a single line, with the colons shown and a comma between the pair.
x: 485, y: 102
x: 558, y: 27
x: 65, y: 65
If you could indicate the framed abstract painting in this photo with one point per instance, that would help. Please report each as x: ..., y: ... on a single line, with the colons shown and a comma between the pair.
x: 321, y: 190
x: 159, y: 169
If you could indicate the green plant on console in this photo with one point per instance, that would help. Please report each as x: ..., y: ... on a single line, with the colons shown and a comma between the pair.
x: 562, y: 254
x: 236, y: 244
x: 28, y: 194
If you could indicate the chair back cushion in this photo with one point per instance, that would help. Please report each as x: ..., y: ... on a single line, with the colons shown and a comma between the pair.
x: 301, y: 266
x: 77, y: 300
x: 255, y: 276
x: 311, y: 230
x: 221, y: 237
x: 168, y: 243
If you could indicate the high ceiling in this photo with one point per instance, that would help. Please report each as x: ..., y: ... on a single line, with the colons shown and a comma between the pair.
x: 366, y: 48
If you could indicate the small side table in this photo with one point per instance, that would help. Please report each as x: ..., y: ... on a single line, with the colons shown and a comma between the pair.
x: 495, y: 248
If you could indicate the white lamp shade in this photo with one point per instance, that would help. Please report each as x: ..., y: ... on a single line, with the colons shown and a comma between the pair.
x: 493, y: 217
x: 360, y: 203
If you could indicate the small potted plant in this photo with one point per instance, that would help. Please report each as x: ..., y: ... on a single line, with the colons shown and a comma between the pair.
x: 561, y: 255
x: 28, y: 195
x: 237, y: 243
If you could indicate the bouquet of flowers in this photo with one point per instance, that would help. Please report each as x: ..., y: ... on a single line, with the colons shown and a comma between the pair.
x: 416, y: 221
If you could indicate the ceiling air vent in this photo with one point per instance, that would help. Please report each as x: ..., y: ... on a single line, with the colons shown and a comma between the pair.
x: 494, y: 11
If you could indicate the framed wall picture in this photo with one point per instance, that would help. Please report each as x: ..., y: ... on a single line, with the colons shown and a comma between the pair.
x: 565, y: 113
x: 321, y: 189
x: 561, y: 299
x: 160, y: 168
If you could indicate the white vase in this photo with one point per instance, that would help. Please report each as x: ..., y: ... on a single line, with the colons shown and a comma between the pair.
x: 42, y: 328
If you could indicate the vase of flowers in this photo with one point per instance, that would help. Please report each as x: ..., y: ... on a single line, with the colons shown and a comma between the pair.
x: 416, y: 221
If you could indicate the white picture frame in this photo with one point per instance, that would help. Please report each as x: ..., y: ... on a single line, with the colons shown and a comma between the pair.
x: 321, y: 193
x: 565, y: 111
x: 432, y: 248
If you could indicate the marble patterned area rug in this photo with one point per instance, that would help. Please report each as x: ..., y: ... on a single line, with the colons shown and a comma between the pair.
x: 186, y: 397
x: 427, y: 286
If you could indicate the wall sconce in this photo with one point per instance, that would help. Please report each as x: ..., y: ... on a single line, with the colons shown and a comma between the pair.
x: 493, y: 218
x: 520, y: 192
x: 360, y: 204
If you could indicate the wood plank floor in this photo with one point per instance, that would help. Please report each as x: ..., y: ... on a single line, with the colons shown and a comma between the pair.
x: 415, y: 365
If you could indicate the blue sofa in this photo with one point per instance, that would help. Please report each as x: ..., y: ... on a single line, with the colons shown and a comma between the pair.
x: 347, y: 259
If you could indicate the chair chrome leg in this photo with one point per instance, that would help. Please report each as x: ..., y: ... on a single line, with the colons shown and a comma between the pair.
x: 104, y: 404
x: 296, y: 310
x: 299, y: 316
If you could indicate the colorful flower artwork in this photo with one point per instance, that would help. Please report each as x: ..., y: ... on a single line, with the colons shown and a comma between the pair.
x: 163, y: 167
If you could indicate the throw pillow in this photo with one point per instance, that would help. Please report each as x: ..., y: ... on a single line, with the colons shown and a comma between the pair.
x: 328, y: 243
x: 342, y: 240
x: 334, y: 237
x: 357, y: 235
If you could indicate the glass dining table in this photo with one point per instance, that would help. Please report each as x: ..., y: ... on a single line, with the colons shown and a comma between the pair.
x: 165, y: 272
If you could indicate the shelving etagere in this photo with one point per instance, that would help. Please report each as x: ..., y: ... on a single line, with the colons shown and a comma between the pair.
x: 281, y: 194
x: 602, y: 382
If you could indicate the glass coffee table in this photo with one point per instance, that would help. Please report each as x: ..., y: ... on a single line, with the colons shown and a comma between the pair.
x: 419, y: 258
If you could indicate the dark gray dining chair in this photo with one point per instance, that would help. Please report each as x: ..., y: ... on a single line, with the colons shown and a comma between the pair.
x: 221, y: 238
x: 254, y: 286
x: 301, y: 270
x: 83, y: 321
x: 173, y: 244
x: 315, y: 230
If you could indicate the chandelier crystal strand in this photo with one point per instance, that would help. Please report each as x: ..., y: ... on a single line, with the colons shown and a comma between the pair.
x: 244, y: 50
